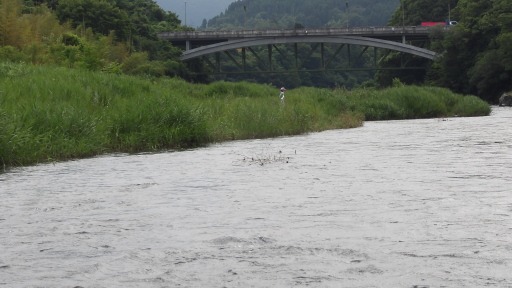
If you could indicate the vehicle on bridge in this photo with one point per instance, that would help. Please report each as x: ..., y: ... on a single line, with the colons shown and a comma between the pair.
x: 445, y: 23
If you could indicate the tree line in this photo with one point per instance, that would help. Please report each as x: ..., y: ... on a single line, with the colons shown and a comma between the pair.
x: 476, y: 55
x: 112, y: 36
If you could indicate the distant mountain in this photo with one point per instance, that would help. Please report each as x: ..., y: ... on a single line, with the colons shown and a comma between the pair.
x: 197, y: 10
x: 282, y: 14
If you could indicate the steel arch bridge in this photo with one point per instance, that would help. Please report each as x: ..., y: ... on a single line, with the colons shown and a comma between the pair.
x: 233, y: 45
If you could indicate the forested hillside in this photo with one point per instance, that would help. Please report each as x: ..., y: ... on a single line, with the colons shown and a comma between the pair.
x: 111, y: 36
x: 476, y: 53
x: 196, y: 10
x: 282, y: 14
x: 413, y: 13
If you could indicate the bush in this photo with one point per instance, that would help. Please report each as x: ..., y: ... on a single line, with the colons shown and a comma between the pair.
x: 471, y: 106
x: 380, y: 109
x: 164, y: 122
x: 224, y: 89
x: 9, y: 53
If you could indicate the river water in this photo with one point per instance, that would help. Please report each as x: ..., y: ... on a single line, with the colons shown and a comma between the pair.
x: 419, y: 203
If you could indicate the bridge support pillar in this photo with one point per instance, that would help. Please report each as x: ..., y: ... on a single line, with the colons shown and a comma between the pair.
x: 217, y: 61
x: 270, y: 57
x: 296, y: 55
x: 244, y: 57
x: 322, y: 55
x: 187, y: 45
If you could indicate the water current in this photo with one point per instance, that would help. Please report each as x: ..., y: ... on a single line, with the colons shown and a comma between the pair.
x: 417, y: 203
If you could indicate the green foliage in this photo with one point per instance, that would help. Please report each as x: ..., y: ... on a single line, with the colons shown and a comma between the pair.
x: 413, y: 12
x: 52, y: 113
x: 397, y: 83
x: 238, y: 89
x: 101, y: 16
x: 105, y: 36
x: 471, y: 106
x: 70, y: 39
x: 411, y: 102
x: 476, y: 57
x: 9, y: 53
x: 48, y: 114
x: 166, y: 121
x: 476, y: 53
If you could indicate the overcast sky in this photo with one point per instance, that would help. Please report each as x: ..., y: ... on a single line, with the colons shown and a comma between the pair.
x: 197, y: 10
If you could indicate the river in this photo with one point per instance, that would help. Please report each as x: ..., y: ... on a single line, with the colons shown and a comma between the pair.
x: 416, y: 203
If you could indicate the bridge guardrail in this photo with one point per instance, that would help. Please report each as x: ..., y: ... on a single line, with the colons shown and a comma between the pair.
x: 388, y: 30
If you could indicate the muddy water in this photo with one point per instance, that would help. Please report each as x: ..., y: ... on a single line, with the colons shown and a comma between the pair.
x: 422, y: 203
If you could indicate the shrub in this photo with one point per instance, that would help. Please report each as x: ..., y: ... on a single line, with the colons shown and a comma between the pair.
x: 9, y: 53
x: 380, y: 109
x: 471, y: 106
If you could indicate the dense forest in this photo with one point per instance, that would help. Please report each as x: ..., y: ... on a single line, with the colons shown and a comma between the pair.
x: 477, y: 56
x: 476, y: 53
x: 111, y: 36
x: 413, y: 13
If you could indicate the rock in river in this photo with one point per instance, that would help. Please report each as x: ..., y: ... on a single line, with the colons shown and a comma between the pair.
x: 506, y: 100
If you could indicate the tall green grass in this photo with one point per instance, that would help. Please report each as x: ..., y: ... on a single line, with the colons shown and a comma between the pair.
x: 413, y: 102
x: 50, y: 114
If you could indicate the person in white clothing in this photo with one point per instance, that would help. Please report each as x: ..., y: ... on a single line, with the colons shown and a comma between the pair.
x: 281, y: 95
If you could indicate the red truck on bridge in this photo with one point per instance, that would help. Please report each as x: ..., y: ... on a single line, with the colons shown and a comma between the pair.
x: 445, y: 23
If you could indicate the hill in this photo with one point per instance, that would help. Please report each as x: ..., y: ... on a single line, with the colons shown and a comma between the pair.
x: 197, y: 10
x: 269, y: 14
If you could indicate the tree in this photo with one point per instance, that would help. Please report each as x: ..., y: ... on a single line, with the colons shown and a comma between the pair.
x: 103, y: 17
x: 412, y: 13
x: 476, y: 53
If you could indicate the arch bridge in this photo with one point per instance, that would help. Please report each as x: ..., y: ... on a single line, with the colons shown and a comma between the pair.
x: 375, y: 42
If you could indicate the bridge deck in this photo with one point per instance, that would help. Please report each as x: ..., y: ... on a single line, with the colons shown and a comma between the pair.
x: 200, y: 38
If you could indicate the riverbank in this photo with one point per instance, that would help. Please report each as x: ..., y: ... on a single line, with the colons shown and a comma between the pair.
x: 51, y: 114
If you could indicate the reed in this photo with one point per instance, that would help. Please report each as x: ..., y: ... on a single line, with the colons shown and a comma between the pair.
x: 413, y: 102
x: 50, y: 113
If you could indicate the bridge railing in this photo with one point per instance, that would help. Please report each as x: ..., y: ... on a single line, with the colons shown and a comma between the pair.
x: 383, y: 30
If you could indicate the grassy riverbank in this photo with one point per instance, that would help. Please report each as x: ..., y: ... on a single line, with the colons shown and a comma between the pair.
x: 49, y: 114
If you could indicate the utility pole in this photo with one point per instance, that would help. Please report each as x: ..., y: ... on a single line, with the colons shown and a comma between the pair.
x: 403, y: 20
x: 245, y: 16
x: 403, y: 13
x: 185, y: 13
x: 346, y: 5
